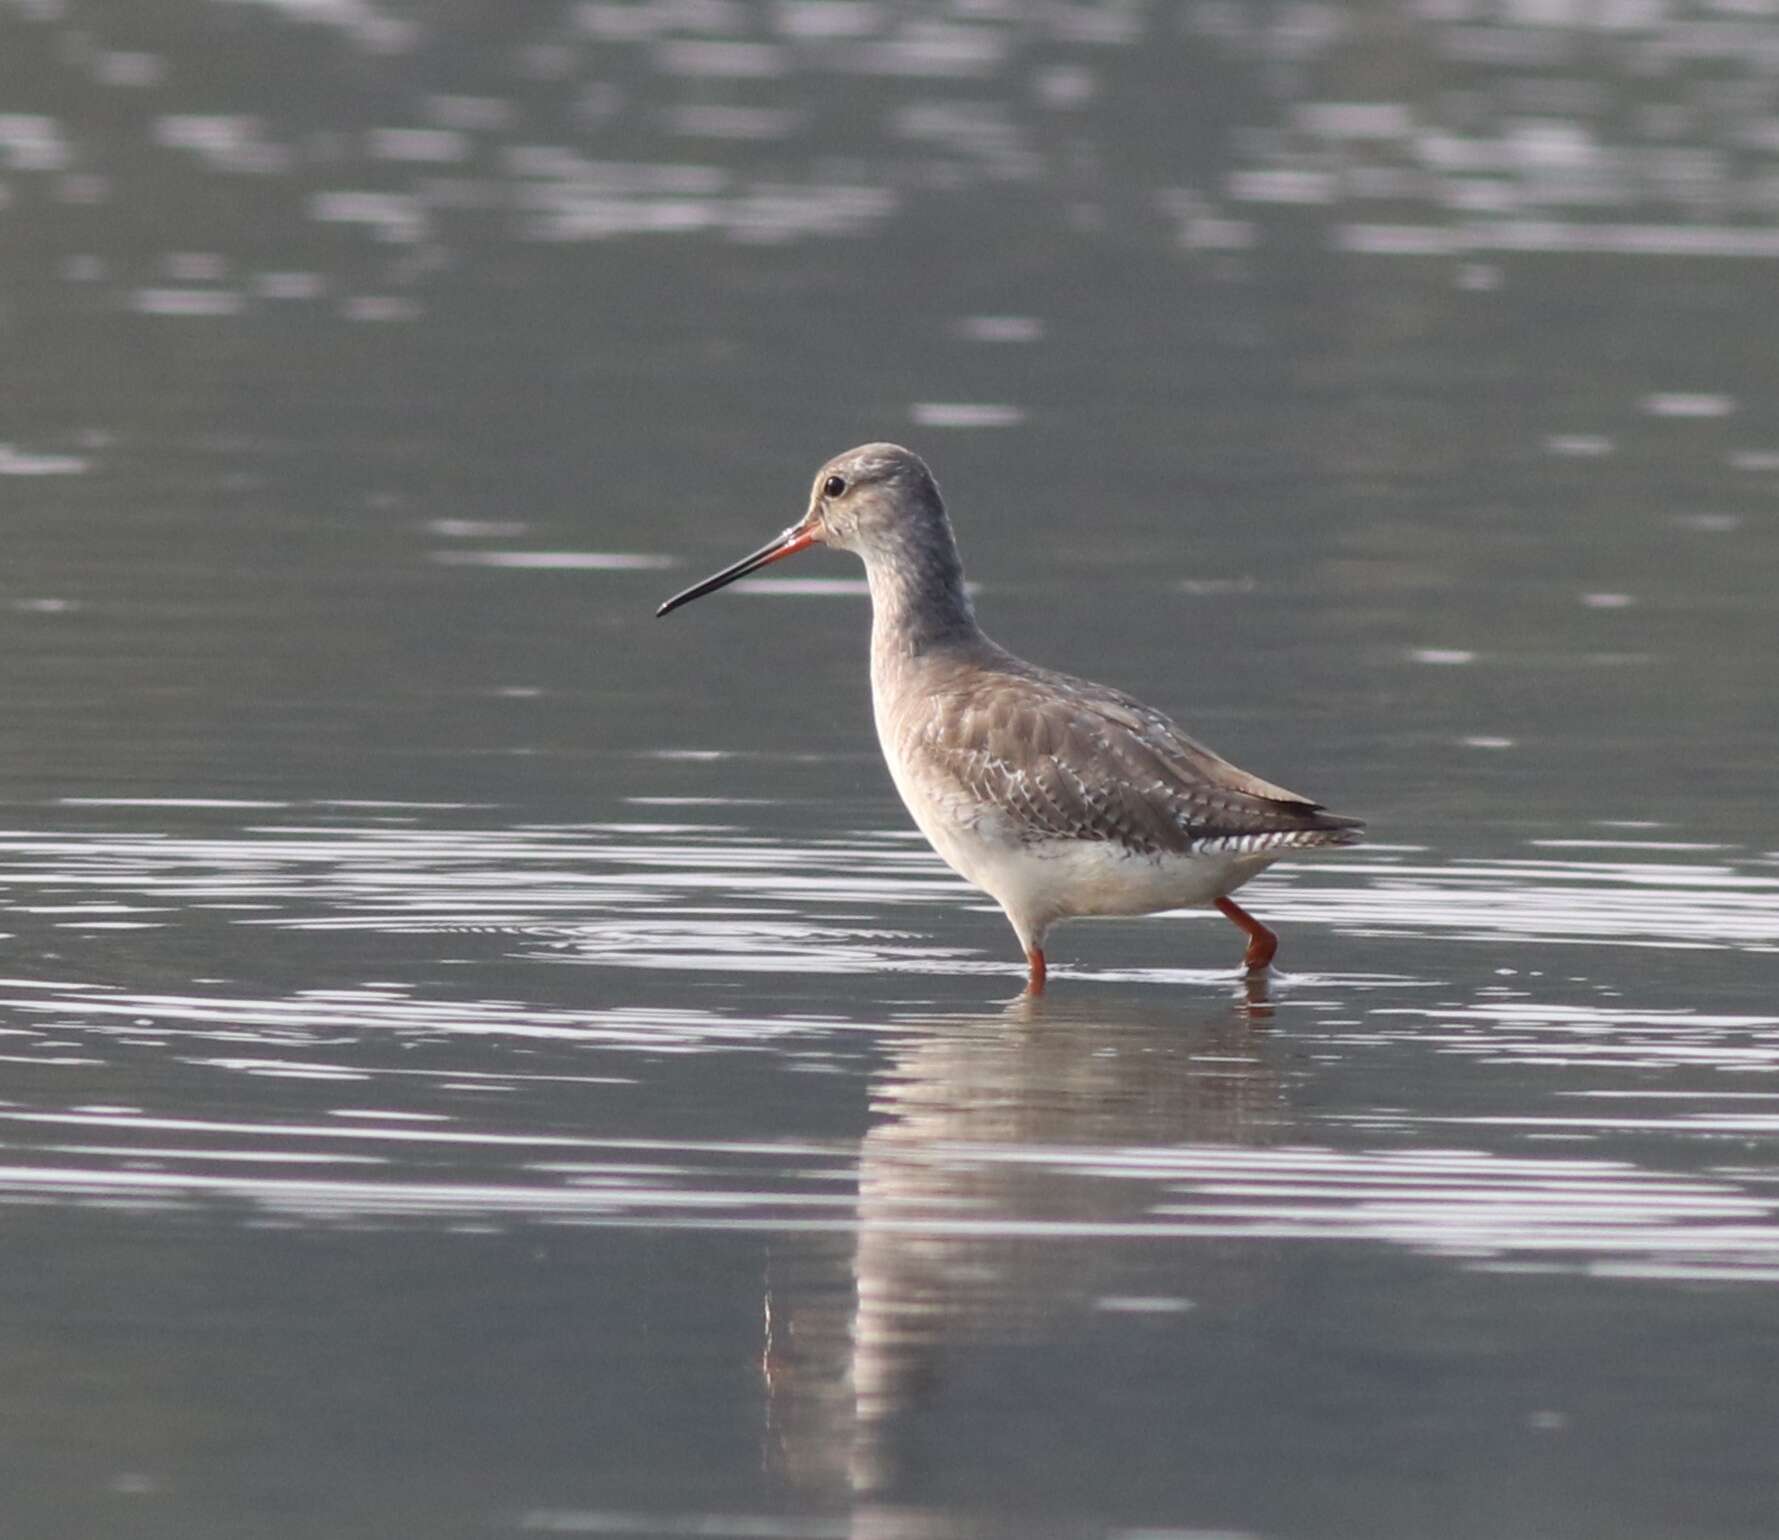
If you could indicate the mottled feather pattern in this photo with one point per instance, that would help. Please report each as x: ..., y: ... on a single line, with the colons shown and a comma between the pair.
x: 1057, y: 797
x: 1060, y: 758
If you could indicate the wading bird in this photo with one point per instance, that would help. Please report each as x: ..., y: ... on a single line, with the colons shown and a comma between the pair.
x: 1057, y: 797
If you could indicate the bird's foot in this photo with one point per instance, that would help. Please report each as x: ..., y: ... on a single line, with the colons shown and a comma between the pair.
x: 1034, y: 984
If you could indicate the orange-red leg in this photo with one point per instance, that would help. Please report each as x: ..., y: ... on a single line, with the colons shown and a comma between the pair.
x: 1262, y: 943
x: 1035, y: 958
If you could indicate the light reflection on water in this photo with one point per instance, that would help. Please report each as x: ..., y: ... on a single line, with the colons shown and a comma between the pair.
x: 1012, y: 1155
x: 698, y: 895
x: 694, y: 115
x: 1164, y: 1115
x: 1072, y: 1127
x: 1427, y: 364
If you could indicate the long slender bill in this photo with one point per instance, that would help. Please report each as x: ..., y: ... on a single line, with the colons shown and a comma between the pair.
x: 798, y: 537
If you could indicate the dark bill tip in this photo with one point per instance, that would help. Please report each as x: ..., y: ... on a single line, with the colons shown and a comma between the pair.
x: 789, y: 543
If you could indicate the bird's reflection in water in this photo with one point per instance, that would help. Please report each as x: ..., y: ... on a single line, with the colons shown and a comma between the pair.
x: 1004, y: 1167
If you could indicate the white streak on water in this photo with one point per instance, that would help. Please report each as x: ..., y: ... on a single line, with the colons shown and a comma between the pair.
x: 19, y: 462
x: 549, y: 561
x: 689, y: 899
x: 961, y: 414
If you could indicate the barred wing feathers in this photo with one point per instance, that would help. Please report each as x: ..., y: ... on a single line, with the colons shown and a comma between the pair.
x: 1064, y: 759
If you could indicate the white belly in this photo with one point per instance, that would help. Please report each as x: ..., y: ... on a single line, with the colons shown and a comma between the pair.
x: 1082, y: 877
x: 1041, y: 883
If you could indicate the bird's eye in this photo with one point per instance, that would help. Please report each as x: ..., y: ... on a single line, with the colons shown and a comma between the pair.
x: 833, y: 486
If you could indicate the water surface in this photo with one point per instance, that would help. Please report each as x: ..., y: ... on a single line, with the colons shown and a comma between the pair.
x: 481, y: 1061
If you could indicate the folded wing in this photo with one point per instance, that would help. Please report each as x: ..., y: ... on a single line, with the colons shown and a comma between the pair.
x: 1062, y: 758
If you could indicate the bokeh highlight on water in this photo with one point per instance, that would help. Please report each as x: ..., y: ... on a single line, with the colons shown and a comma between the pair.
x: 481, y: 1061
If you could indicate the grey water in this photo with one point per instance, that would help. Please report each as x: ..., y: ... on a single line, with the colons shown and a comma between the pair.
x: 476, y: 1060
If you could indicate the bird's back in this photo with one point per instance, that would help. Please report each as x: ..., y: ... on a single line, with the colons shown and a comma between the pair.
x: 1052, y: 757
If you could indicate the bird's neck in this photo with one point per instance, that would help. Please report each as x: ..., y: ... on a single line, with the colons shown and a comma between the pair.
x: 918, y: 602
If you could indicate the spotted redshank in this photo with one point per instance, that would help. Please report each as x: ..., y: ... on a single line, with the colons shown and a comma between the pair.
x: 1058, y: 797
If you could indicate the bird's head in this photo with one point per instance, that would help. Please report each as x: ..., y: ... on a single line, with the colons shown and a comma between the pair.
x: 877, y: 501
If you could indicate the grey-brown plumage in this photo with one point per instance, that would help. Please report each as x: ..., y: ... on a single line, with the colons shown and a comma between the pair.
x: 1064, y: 758
x: 1057, y: 796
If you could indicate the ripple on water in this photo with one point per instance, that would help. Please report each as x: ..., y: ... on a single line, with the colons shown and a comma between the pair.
x: 681, y: 897
x: 683, y: 894
x: 1478, y: 1208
